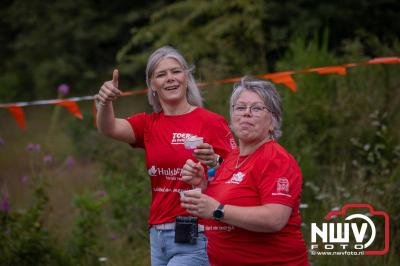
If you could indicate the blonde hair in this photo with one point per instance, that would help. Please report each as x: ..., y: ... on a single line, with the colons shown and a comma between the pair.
x: 192, y: 94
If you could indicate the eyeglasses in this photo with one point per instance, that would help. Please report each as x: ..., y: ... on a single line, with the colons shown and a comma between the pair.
x: 241, y: 109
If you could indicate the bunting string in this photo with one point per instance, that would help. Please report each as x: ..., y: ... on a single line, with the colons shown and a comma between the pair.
x: 285, y: 78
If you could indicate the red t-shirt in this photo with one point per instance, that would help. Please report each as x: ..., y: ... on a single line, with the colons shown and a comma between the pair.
x: 163, y: 139
x: 269, y: 175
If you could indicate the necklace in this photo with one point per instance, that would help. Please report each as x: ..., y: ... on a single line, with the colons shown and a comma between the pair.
x: 174, y: 112
x: 238, y: 165
x: 188, y: 110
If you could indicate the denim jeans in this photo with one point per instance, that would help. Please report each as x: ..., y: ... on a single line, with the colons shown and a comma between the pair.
x: 165, y: 252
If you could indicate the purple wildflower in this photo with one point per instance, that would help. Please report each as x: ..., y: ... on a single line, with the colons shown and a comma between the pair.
x: 33, y: 147
x: 2, y: 142
x: 63, y: 89
x: 5, y: 204
x: 47, y: 159
x: 101, y: 193
x: 24, y: 179
x: 113, y: 236
x: 70, y: 161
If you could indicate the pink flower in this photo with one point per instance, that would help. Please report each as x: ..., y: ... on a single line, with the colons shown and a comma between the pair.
x: 33, y: 147
x: 70, y: 161
x: 63, y: 89
x: 24, y: 179
x: 101, y: 193
x: 47, y: 159
x: 113, y: 236
x: 5, y: 204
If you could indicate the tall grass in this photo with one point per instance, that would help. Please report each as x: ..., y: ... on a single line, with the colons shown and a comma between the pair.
x: 344, y: 133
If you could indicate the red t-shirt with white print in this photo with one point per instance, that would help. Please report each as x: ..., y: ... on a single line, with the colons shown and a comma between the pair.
x: 163, y: 137
x: 269, y: 175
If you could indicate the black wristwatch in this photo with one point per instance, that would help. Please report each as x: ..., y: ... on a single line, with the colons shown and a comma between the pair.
x: 218, y: 213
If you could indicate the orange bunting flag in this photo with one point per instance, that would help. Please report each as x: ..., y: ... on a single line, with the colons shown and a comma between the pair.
x: 384, y: 60
x: 133, y: 92
x: 231, y: 80
x: 282, y: 78
x: 18, y: 114
x: 72, y: 107
x: 340, y: 70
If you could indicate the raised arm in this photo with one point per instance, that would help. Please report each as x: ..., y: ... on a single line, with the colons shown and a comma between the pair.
x: 107, y: 123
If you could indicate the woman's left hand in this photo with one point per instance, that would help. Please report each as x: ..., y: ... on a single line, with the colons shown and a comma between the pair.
x: 199, y: 204
x: 205, y: 154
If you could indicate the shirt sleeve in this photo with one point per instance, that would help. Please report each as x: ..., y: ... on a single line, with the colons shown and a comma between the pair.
x: 221, y: 138
x: 281, y: 181
x: 138, y: 124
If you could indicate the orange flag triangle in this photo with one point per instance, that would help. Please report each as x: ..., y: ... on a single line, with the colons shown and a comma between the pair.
x: 384, y: 60
x: 341, y: 70
x: 231, y: 80
x: 72, y: 107
x: 282, y: 78
x: 18, y: 114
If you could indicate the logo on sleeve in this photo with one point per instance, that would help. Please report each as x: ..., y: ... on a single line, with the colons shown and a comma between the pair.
x: 236, y: 178
x: 232, y: 142
x: 282, y: 187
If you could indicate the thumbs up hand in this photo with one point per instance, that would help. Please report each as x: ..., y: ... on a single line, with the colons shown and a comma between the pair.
x: 109, y: 91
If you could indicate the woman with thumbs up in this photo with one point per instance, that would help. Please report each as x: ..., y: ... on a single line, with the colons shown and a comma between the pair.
x: 178, y: 115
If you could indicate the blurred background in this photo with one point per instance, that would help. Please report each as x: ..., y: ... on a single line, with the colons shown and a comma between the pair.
x: 69, y: 196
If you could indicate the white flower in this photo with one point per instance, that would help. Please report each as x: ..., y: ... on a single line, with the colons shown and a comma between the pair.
x: 103, y: 259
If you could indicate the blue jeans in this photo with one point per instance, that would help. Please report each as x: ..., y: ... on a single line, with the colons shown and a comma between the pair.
x: 165, y: 252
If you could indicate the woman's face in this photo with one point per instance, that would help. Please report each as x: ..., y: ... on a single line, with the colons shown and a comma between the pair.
x: 251, y: 126
x: 170, y: 81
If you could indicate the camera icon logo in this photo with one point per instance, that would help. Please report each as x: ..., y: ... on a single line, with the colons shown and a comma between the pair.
x: 352, y: 233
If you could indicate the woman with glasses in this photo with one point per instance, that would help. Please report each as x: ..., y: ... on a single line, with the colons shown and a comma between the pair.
x: 253, y: 202
x: 177, y: 116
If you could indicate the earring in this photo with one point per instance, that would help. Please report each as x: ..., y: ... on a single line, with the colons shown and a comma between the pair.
x: 154, y: 94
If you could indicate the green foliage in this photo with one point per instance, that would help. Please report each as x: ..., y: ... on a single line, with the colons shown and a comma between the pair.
x: 126, y: 183
x: 74, y: 42
x: 78, y: 42
x: 129, y: 203
x: 342, y: 131
x: 85, y: 244
x: 213, y: 34
x: 24, y: 236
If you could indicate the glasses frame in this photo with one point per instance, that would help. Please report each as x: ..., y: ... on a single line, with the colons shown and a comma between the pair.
x: 249, y: 107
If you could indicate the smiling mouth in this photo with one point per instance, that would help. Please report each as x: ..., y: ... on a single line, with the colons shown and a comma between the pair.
x: 244, y: 124
x: 171, y: 88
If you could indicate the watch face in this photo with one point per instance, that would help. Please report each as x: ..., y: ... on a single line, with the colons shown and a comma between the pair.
x: 218, y: 214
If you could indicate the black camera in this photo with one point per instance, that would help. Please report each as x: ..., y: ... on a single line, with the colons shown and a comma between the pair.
x: 186, y: 229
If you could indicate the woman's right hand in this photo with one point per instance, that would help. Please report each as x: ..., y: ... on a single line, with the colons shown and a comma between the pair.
x: 109, y: 91
x: 193, y: 173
